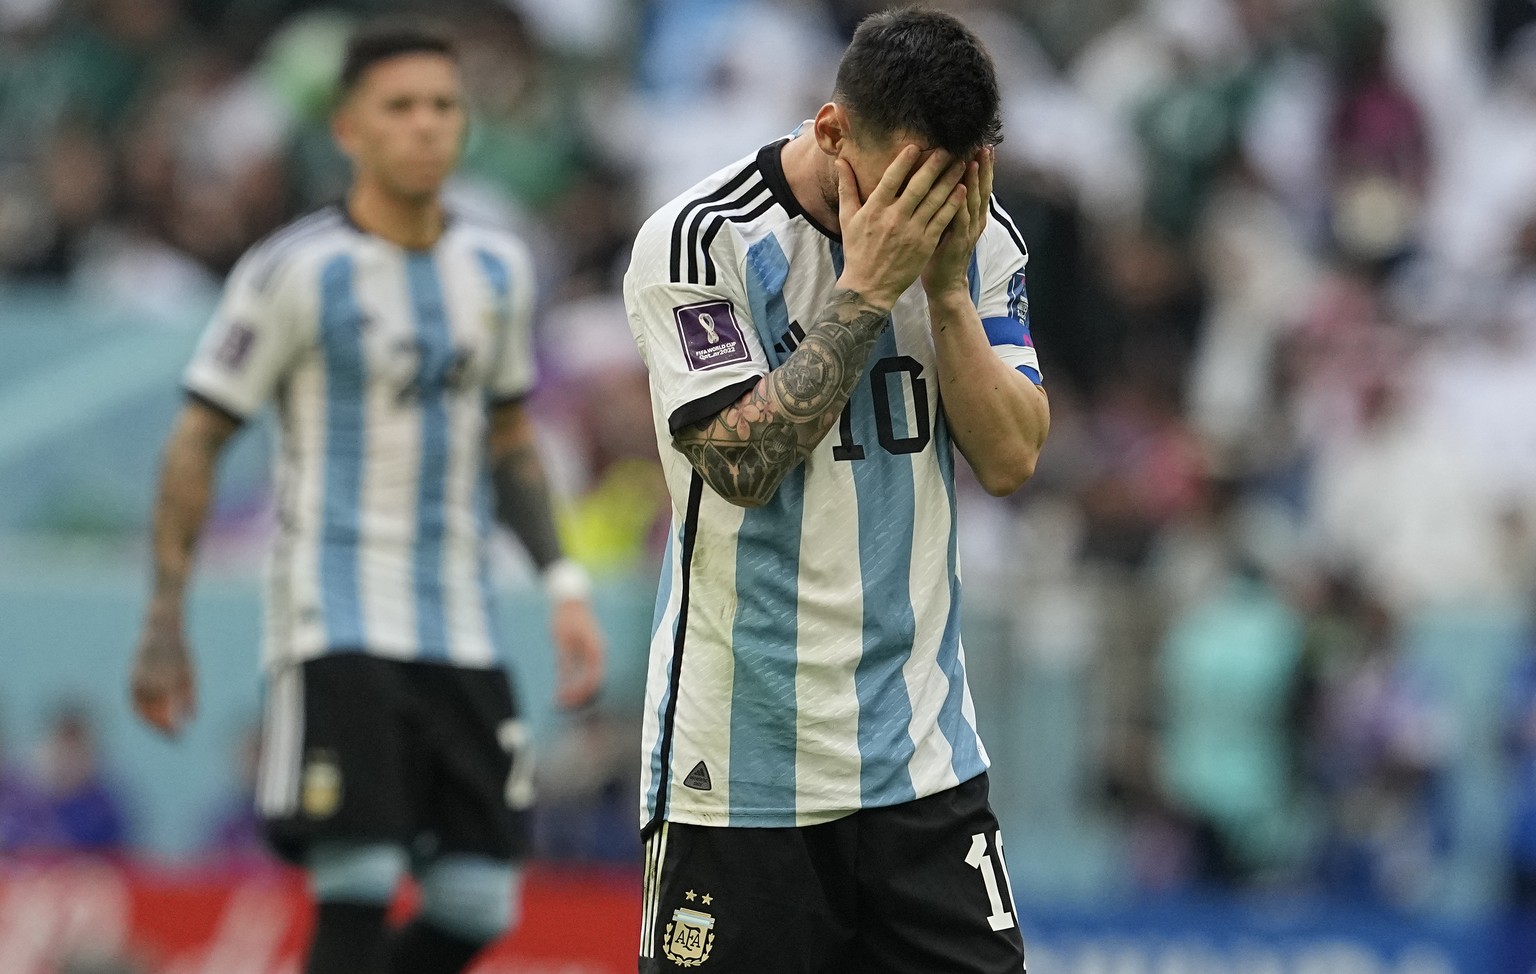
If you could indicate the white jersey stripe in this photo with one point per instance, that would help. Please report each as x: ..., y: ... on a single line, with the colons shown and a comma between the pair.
x: 663, y: 638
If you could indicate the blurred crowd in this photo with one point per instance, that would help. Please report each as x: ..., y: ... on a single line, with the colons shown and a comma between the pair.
x: 1283, y: 284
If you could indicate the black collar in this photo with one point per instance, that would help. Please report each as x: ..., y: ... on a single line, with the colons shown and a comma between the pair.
x: 771, y: 166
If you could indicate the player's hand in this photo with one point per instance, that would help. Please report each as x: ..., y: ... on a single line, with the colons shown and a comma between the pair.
x: 163, y: 682
x: 948, y: 269
x: 579, y: 652
x: 890, y: 236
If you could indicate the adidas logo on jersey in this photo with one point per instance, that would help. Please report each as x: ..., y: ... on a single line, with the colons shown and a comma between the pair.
x: 698, y: 778
x: 790, y: 340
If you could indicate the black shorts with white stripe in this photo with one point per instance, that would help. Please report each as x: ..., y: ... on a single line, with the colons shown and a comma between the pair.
x: 358, y: 748
x: 907, y: 889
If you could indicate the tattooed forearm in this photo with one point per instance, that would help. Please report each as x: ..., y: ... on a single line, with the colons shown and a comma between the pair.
x: 746, y: 450
x: 186, y: 486
x: 522, y: 502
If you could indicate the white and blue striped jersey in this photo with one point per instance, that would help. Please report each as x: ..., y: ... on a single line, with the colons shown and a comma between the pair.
x: 382, y: 362
x: 805, y: 658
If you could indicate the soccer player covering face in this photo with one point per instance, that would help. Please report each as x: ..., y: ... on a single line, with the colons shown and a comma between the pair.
x: 394, y: 338
x: 825, y: 322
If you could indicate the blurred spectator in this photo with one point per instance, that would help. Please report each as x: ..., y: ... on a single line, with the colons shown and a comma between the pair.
x: 588, y: 790
x: 1229, y: 670
x: 235, y: 833
x: 1381, y: 744
x: 86, y: 809
x: 23, y: 814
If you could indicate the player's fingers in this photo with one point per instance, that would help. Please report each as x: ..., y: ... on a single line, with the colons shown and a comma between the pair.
x: 156, y: 711
x: 929, y: 179
x: 889, y: 188
x: 945, y: 215
x: 974, y: 198
x: 580, y: 678
x: 939, y: 193
x: 848, y: 202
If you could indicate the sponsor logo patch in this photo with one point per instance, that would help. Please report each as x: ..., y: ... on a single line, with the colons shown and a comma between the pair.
x: 710, y: 335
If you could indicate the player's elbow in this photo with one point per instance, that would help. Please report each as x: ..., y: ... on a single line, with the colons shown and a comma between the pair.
x: 1006, y: 474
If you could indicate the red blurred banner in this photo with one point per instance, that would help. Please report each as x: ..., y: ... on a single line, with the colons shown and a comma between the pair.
x: 158, y: 921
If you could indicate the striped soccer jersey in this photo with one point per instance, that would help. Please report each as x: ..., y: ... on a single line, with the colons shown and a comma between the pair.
x: 381, y: 361
x: 805, y: 657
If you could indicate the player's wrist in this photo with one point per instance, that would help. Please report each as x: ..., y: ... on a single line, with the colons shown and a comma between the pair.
x: 876, y: 298
x: 948, y: 298
x: 565, y: 580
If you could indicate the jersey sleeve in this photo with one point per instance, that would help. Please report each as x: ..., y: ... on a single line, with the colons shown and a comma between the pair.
x: 513, y: 371
x: 698, y: 341
x: 1003, y: 298
x: 250, y: 342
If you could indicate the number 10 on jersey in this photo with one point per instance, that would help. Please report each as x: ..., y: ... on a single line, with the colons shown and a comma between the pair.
x: 880, y: 376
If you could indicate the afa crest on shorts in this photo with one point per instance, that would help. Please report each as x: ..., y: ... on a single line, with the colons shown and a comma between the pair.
x: 689, y: 937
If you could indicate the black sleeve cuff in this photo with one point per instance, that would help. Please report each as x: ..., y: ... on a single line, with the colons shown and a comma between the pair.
x: 517, y: 399
x: 194, y: 396
x: 701, y: 409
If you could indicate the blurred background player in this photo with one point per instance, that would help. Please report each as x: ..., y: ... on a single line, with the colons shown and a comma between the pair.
x: 394, y: 336
x: 816, y: 785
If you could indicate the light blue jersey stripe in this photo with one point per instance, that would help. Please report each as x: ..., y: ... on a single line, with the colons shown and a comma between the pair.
x: 663, y: 596
x: 763, y: 638
x: 973, y: 278
x: 346, y: 438
x: 767, y: 270
x: 499, y: 278
x: 483, y: 562
x: 883, y: 486
x: 434, y: 345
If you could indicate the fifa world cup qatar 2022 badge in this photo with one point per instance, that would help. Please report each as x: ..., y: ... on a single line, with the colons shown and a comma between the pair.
x: 691, y: 933
x: 710, y: 335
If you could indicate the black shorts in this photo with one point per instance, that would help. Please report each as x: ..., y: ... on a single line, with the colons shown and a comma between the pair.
x: 916, y: 888
x: 358, y: 748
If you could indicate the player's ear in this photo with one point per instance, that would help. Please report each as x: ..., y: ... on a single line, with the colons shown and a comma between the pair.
x: 342, y: 129
x: 831, y: 128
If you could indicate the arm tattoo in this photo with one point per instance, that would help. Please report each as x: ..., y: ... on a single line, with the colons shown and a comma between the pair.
x: 522, y: 502
x: 185, y: 490
x: 749, y: 447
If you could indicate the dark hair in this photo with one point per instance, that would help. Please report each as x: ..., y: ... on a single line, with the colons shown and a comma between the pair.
x: 923, y: 72
x: 371, y: 45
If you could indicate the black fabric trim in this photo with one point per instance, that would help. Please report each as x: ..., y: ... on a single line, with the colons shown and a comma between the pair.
x: 218, y: 407
x: 685, y: 216
x: 690, y: 536
x: 498, y: 402
x: 701, y: 409
x: 708, y: 215
x: 1007, y: 222
x: 767, y: 204
x: 769, y: 161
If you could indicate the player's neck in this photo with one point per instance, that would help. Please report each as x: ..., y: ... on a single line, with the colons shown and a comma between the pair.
x: 407, y: 223
x: 806, y: 169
